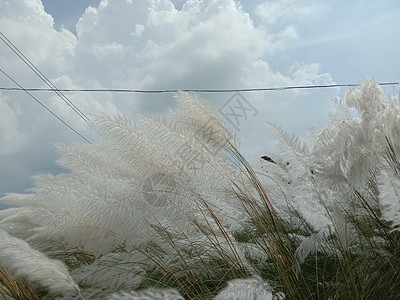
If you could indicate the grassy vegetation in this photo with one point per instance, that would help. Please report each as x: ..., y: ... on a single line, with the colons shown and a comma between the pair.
x: 318, y: 223
x: 367, y: 269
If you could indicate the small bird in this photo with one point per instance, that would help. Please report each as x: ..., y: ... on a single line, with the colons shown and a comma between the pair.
x: 269, y: 159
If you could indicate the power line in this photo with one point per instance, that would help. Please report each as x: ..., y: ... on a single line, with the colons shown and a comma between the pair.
x: 44, y: 106
x: 43, y: 77
x: 282, y: 88
x: 53, y: 88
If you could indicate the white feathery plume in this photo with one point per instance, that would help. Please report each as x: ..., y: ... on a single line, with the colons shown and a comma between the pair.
x: 197, y: 116
x: 311, y: 244
x: 188, y: 151
x: 389, y: 197
x: 116, y: 189
x: 114, y: 271
x: 16, y: 199
x: 20, y: 260
x: 253, y: 288
x: 367, y: 98
x: 148, y: 294
x: 308, y: 197
x: 294, y: 151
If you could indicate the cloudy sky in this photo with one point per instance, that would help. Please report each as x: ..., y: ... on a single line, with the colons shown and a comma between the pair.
x: 163, y: 44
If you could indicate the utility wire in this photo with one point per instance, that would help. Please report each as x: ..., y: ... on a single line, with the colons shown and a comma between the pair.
x: 283, y: 88
x: 44, y: 106
x: 43, y: 77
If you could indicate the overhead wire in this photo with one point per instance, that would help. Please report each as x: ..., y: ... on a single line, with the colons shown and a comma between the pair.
x: 282, y: 88
x: 44, y: 106
x: 48, y: 83
x: 43, y: 77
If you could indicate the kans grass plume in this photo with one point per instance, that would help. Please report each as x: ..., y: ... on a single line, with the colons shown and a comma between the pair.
x: 18, y: 258
x: 168, y: 207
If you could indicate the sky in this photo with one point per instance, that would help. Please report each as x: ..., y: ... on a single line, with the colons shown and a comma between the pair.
x: 163, y: 44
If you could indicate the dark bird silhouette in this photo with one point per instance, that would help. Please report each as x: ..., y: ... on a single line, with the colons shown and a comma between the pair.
x: 269, y: 159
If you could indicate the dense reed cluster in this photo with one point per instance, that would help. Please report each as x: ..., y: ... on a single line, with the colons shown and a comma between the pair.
x: 167, y: 208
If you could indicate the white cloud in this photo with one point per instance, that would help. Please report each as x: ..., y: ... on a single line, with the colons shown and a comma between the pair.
x: 200, y: 38
x: 11, y: 139
x: 31, y: 11
x: 146, y: 45
x: 310, y: 74
x: 276, y: 12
